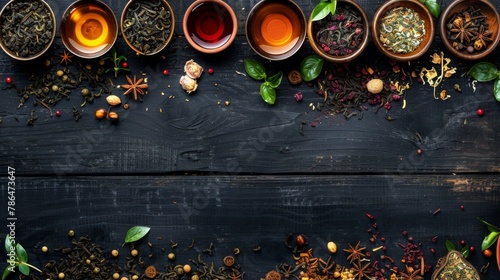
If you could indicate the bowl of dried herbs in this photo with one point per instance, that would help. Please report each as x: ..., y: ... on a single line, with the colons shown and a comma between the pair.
x: 28, y: 28
x: 402, y: 30
x: 147, y: 25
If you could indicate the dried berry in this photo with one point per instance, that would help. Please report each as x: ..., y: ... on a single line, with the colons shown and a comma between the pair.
x: 193, y: 69
x: 165, y: 72
x: 298, y: 96
x: 8, y: 80
x: 480, y: 112
x: 188, y: 84
x: 210, y: 71
x: 294, y: 77
x: 124, y: 64
x: 58, y: 113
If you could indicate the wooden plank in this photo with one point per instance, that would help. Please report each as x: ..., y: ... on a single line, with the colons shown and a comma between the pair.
x: 250, y: 211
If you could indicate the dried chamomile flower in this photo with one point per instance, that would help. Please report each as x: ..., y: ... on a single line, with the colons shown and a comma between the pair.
x: 193, y: 69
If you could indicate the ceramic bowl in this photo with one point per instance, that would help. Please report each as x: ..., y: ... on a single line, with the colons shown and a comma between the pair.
x: 312, y: 33
x: 492, y: 19
x: 155, y: 29
x: 424, y: 14
x: 276, y: 29
x: 210, y: 26
x: 36, y: 26
x: 88, y: 28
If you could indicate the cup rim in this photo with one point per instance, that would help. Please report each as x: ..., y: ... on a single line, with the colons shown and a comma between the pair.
x: 199, y: 48
x: 69, y: 47
x: 42, y: 52
x: 170, y: 36
x: 424, y: 13
x: 303, y: 34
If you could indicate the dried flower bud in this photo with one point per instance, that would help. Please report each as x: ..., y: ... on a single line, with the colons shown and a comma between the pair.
x: 193, y: 69
x: 188, y: 84
x: 113, y: 100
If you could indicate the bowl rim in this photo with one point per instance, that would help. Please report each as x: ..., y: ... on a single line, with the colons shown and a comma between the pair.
x: 47, y: 47
x: 445, y: 17
x: 199, y: 48
x: 170, y: 36
x: 68, y: 10
x: 303, y: 33
x: 375, y: 28
x: 341, y: 58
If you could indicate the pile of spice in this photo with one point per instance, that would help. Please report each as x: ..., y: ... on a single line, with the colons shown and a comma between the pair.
x: 402, y: 30
x: 468, y: 30
x: 340, y: 33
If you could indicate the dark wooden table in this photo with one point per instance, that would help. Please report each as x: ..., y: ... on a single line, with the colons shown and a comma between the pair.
x: 243, y: 175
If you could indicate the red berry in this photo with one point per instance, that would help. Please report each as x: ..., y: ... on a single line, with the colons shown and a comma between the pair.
x: 210, y: 71
x: 8, y: 80
x: 462, y: 242
x: 165, y: 72
x: 58, y: 113
x: 462, y: 207
x: 472, y: 249
x: 480, y: 112
x: 124, y: 64
x: 419, y: 151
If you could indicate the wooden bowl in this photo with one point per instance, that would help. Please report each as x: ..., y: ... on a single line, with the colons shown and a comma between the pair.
x: 317, y: 48
x: 131, y: 31
x: 492, y: 19
x: 8, y: 37
x: 210, y: 26
x: 424, y: 14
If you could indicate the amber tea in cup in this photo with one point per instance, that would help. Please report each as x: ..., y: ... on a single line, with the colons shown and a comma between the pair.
x: 276, y: 29
x: 88, y: 28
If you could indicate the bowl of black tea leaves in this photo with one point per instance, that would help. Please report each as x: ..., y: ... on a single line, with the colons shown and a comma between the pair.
x: 27, y: 28
x: 147, y: 25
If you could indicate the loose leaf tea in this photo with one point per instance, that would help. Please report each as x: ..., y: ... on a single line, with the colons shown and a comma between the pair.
x: 27, y: 27
x: 402, y: 30
x: 147, y: 25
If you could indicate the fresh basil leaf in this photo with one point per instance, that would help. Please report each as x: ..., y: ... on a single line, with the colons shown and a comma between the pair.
x: 24, y: 269
x: 311, y: 67
x: 489, y: 240
x: 484, y: 71
x: 321, y: 11
x: 136, y: 233
x: 496, y: 89
x: 21, y: 254
x: 275, y: 80
x: 6, y: 273
x: 491, y: 227
x: 268, y: 93
x: 465, y: 251
x: 254, y: 69
x: 433, y: 7
x: 449, y: 245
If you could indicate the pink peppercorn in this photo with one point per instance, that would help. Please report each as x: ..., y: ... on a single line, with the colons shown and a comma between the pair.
x: 298, y: 96
x: 480, y: 112
x: 462, y: 207
x: 165, y: 72
x: 358, y: 30
x: 8, y: 80
x: 58, y: 113
x: 313, y: 124
x: 210, y: 71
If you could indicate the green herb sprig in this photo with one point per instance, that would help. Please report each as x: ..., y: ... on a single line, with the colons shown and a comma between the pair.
x: 492, y: 237
x: 433, y: 7
x: 451, y: 247
x: 18, y: 257
x: 323, y: 9
x: 486, y: 72
x: 268, y: 88
x: 135, y: 234
x: 311, y: 67
x: 117, y: 62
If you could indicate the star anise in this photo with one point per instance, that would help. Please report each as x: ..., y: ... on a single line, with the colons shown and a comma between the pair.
x: 413, y: 275
x: 355, y: 253
x: 462, y: 30
x: 482, y: 35
x: 136, y: 86
x: 65, y: 57
x: 360, y: 271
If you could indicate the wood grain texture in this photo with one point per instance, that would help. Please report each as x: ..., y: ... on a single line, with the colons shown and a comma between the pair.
x: 250, y: 211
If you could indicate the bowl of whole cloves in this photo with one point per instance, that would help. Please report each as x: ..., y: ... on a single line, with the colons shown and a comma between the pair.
x: 147, y: 25
x: 469, y: 28
x: 28, y: 28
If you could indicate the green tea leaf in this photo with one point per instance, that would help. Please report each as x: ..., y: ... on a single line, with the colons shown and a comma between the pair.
x: 24, y: 269
x: 433, y: 8
x: 491, y: 227
x: 6, y: 272
x: 254, y: 69
x: 496, y: 89
x: 489, y: 240
x: 7, y: 243
x: 484, y: 72
x: 321, y: 10
x: 465, y: 251
x: 449, y: 245
x: 275, y: 80
x: 333, y: 6
x: 21, y: 254
x: 311, y: 67
x: 268, y: 93
x: 136, y: 233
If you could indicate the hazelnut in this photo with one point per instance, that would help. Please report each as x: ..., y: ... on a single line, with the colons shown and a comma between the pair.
x: 100, y: 114
x: 332, y: 247
x: 113, y: 100
x: 193, y: 69
x: 188, y: 84
x: 375, y: 86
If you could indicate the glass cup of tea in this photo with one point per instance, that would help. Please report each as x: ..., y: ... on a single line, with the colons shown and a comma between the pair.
x: 210, y: 26
x: 276, y: 29
x: 88, y: 28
